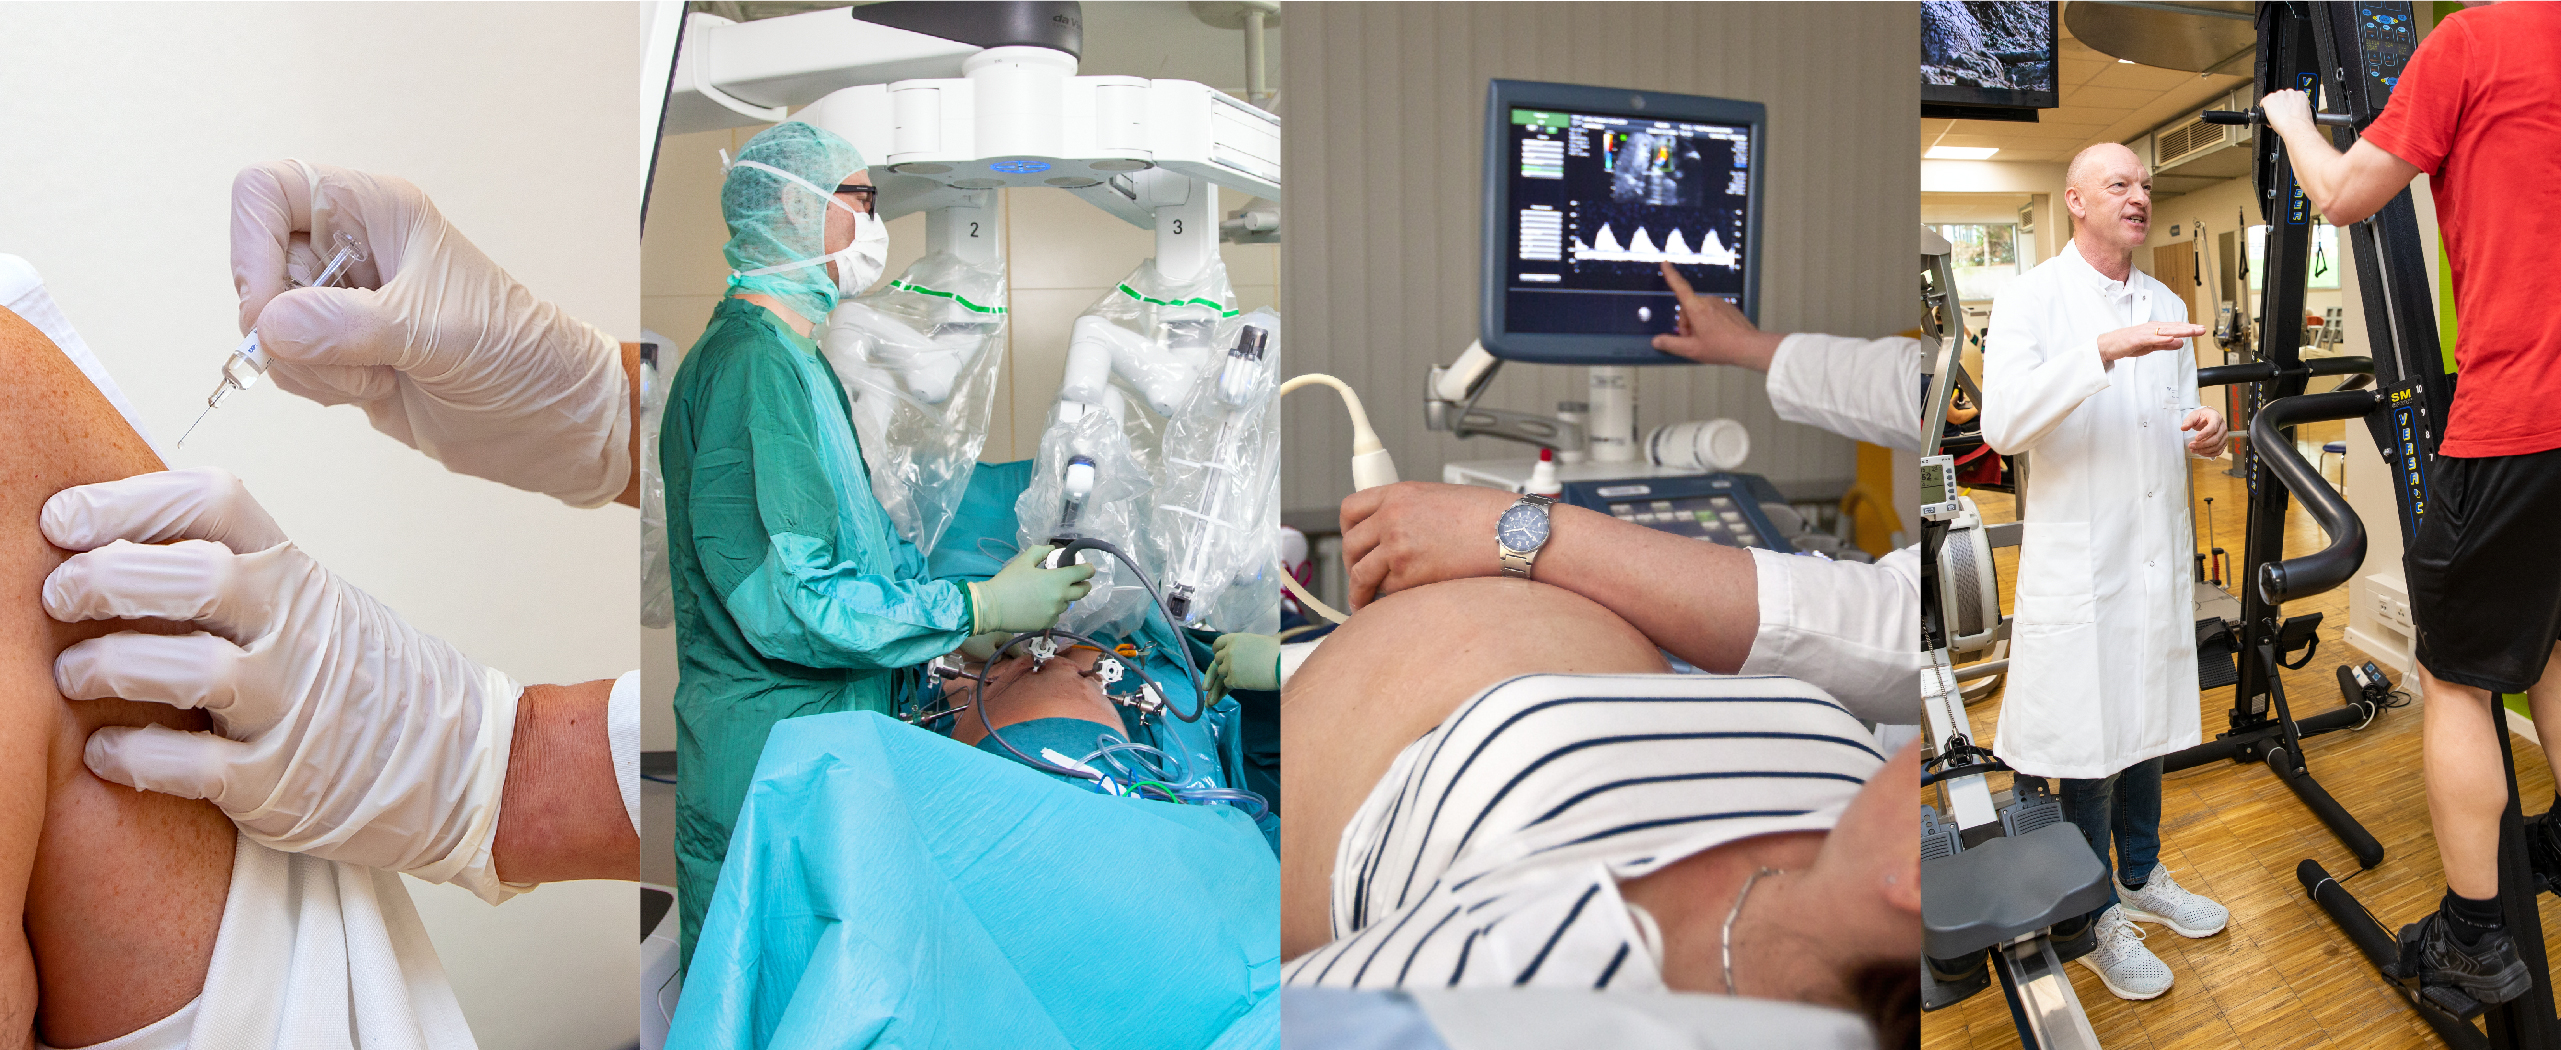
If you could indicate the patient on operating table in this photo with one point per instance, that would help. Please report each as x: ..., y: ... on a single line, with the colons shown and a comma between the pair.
x: 1063, y: 687
x: 1450, y: 822
x: 121, y: 891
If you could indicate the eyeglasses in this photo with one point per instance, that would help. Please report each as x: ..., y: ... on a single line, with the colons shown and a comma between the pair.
x: 867, y: 194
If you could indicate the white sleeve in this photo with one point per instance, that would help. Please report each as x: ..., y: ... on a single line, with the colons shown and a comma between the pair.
x: 1863, y: 389
x: 622, y: 735
x: 1850, y: 629
x: 2030, y: 386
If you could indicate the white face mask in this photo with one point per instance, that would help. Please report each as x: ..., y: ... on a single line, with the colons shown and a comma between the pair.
x: 863, y: 261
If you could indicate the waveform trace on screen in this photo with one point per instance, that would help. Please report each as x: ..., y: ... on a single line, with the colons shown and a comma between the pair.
x: 1605, y: 247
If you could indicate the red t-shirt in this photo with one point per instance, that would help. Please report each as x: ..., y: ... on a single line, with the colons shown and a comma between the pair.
x: 2479, y: 110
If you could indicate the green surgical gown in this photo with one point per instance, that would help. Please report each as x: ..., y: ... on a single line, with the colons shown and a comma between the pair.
x: 794, y: 594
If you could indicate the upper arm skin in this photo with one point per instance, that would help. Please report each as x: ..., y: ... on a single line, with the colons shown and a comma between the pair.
x: 2362, y: 181
x: 121, y: 891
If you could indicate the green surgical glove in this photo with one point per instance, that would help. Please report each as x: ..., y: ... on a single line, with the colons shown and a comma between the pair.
x: 1023, y: 597
x: 978, y: 648
x: 1243, y: 661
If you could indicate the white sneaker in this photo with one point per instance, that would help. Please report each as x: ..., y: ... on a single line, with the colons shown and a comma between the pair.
x: 2163, y: 901
x: 2122, y: 962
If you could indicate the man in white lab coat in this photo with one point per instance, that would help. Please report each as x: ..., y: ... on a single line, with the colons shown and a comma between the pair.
x: 2087, y: 365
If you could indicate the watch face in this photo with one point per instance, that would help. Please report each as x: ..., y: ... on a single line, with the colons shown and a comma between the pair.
x: 1522, y: 528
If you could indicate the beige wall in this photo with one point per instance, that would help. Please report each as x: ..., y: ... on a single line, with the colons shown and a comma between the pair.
x: 2039, y: 182
x: 1386, y: 109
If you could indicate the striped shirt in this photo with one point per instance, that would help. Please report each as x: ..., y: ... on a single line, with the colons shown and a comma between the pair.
x: 1491, y: 852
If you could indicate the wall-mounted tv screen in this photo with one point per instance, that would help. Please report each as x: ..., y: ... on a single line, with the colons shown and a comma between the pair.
x: 1988, y: 59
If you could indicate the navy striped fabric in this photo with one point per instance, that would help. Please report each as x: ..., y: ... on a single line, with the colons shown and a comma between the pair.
x: 1491, y: 852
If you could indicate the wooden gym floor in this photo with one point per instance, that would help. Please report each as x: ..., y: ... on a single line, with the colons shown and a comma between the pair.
x: 2280, y: 976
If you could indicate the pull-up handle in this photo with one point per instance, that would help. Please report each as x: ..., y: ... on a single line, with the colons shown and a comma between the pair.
x: 2282, y: 581
x: 2256, y: 115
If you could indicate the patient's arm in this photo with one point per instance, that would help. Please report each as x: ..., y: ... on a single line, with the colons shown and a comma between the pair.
x: 1397, y: 669
x: 121, y: 891
x: 1700, y: 601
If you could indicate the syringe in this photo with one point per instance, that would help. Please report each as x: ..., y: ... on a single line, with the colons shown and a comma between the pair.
x: 248, y: 362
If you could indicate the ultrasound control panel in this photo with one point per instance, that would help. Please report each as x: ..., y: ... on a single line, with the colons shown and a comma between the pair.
x: 1719, y: 508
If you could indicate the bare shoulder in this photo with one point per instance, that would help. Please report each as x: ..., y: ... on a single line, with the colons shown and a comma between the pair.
x: 114, y: 895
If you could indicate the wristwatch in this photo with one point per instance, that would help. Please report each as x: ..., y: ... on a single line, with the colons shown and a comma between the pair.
x: 1520, y: 532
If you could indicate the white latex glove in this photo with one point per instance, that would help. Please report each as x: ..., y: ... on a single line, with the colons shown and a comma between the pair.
x: 339, y: 730
x: 441, y: 348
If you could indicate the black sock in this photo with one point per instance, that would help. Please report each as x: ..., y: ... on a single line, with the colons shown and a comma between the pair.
x: 2470, y: 919
x: 2135, y: 883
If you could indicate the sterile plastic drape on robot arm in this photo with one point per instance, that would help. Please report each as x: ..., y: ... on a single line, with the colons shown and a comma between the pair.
x: 919, y: 360
x: 1163, y: 334
x: 1217, y: 511
x: 1088, y: 444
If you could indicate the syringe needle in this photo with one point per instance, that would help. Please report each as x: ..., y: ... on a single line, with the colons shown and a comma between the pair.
x: 191, y: 427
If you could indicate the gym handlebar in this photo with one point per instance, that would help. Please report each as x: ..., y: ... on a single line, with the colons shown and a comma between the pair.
x: 2262, y: 371
x: 2313, y: 573
x: 2256, y: 115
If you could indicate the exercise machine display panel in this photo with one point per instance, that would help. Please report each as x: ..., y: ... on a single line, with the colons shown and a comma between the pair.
x: 1588, y: 191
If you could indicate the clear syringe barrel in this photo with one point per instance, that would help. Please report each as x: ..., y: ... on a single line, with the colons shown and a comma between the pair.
x: 248, y: 361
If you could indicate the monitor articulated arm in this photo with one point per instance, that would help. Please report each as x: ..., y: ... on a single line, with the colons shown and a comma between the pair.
x: 1449, y: 404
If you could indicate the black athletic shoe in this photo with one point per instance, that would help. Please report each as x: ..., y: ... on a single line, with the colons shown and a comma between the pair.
x: 2543, y: 851
x: 2489, y: 972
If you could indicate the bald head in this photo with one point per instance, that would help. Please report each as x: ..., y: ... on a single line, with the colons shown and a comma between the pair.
x: 2109, y: 195
x: 2090, y: 163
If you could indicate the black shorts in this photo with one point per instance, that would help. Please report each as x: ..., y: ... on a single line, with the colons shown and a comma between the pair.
x: 2485, y: 570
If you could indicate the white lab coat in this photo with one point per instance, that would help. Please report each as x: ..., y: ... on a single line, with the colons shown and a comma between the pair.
x: 1850, y: 629
x: 2102, y: 646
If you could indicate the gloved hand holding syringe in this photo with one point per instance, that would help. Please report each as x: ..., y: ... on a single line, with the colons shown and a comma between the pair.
x: 248, y: 362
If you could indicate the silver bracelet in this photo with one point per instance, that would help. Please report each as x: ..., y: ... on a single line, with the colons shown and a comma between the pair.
x: 1725, y: 939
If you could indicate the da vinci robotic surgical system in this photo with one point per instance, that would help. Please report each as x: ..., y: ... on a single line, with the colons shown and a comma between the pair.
x: 953, y: 102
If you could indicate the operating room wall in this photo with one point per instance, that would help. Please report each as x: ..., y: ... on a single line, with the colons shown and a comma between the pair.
x: 1385, y: 104
x: 121, y: 127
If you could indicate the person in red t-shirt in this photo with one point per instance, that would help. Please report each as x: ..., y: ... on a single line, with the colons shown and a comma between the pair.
x: 2478, y: 110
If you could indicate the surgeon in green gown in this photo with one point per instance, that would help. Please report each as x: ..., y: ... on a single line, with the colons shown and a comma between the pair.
x: 794, y: 593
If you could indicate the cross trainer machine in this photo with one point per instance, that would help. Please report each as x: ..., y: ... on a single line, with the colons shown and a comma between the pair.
x: 2006, y: 887
x: 2349, y: 56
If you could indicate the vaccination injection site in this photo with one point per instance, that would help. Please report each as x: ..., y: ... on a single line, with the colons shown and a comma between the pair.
x: 2279, y: 266
x: 985, y: 584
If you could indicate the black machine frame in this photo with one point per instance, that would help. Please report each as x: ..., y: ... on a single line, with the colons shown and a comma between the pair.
x: 2349, y: 56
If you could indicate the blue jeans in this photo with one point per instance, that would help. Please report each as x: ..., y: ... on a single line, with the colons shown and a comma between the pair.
x: 2127, y: 807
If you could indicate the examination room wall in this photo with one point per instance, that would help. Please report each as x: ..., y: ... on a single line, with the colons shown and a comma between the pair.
x: 1386, y: 110
x: 121, y: 127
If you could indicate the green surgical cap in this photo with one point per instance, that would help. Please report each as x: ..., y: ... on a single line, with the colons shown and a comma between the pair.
x: 773, y: 221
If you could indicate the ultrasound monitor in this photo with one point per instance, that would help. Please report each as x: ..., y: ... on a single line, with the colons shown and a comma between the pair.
x: 1587, y: 190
